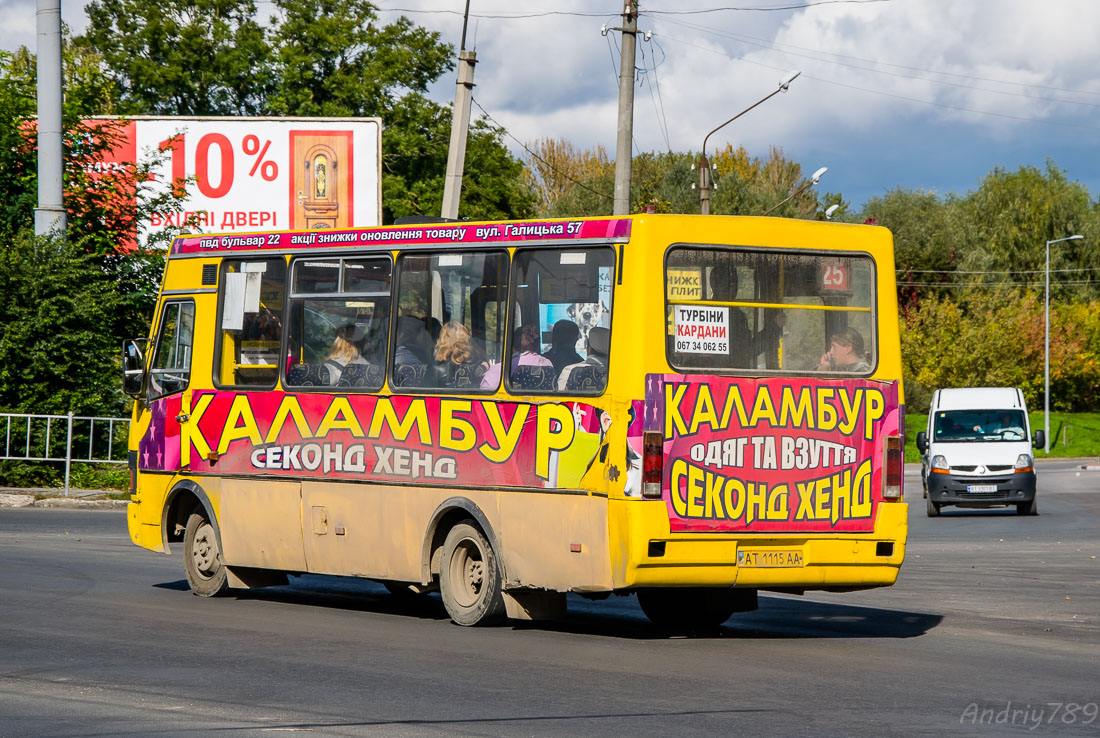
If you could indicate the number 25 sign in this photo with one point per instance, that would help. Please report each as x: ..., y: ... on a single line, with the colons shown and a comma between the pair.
x: 834, y: 276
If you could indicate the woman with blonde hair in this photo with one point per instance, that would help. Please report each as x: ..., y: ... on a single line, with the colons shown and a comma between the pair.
x: 453, y: 345
x: 456, y: 358
x: 345, y: 351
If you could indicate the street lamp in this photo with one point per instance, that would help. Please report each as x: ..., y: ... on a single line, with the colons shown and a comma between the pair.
x: 1046, y: 343
x: 814, y: 179
x: 704, y: 165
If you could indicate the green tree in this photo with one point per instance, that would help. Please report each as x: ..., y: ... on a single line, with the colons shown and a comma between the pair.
x: 333, y: 58
x: 182, y: 57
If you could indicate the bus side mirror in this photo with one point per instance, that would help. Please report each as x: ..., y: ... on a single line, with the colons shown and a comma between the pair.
x: 133, y: 367
x: 922, y: 442
x: 1039, y: 440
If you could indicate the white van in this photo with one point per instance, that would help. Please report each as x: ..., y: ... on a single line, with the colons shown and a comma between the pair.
x: 976, y: 451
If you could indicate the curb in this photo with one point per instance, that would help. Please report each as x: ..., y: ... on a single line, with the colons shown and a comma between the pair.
x: 69, y: 503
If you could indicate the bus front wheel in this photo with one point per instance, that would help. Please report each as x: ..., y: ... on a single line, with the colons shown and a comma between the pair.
x: 202, y: 561
x: 469, y: 577
x: 693, y: 608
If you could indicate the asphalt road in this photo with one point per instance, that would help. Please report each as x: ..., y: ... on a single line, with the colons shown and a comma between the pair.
x: 993, y: 629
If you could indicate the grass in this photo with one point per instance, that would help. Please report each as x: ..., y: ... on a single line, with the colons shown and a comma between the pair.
x: 1071, y: 434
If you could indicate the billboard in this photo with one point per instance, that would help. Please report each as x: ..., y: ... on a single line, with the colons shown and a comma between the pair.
x: 250, y: 174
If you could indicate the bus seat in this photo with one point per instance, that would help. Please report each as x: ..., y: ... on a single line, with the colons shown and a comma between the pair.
x: 307, y: 375
x: 409, y: 375
x: 587, y: 378
x: 533, y: 378
x: 361, y: 375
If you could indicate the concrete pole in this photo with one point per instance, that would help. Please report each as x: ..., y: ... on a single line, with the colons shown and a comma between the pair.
x: 50, y: 213
x: 704, y: 184
x: 624, y: 148
x: 460, y: 124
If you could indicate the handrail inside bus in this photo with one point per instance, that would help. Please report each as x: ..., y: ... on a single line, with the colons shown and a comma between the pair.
x: 778, y: 305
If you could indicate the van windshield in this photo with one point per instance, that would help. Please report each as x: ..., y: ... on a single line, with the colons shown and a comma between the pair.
x: 966, y: 426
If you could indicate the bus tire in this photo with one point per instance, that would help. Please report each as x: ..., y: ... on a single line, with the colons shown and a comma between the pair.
x: 202, y: 558
x: 692, y: 609
x: 933, y: 509
x: 469, y: 577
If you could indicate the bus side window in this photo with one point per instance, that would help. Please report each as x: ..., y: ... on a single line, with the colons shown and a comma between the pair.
x: 251, y: 322
x: 561, y: 340
x: 171, y: 368
x: 339, y: 323
x: 449, y: 330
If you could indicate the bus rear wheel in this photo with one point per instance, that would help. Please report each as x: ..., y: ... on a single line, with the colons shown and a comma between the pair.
x: 694, y: 608
x: 469, y: 577
x: 202, y: 560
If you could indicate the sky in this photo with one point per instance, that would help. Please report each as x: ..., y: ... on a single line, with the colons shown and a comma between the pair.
x: 917, y: 94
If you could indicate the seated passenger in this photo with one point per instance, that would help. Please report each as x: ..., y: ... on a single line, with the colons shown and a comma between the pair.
x: 845, y: 354
x: 456, y: 362
x: 345, y: 351
x: 413, y: 344
x: 599, y: 346
x: 526, y: 345
x: 563, y: 345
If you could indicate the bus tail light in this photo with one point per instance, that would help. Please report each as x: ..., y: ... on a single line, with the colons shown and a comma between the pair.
x: 653, y: 455
x: 895, y: 469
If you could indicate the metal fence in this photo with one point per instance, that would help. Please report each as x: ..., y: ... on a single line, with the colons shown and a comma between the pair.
x: 64, y: 438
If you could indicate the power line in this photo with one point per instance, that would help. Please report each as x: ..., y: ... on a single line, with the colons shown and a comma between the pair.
x: 932, y: 103
x: 536, y: 156
x: 1011, y: 271
x: 816, y: 56
x: 989, y: 284
x: 779, y: 47
x: 766, y: 8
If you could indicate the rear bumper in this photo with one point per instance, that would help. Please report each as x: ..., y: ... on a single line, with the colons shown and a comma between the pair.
x: 955, y: 489
x: 654, y: 557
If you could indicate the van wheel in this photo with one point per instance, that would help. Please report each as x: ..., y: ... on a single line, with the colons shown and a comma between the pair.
x: 469, y: 577
x: 1028, y: 508
x: 933, y: 508
x: 693, y: 609
x: 202, y: 558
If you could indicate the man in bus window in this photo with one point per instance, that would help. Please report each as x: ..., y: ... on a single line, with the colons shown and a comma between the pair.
x: 845, y: 354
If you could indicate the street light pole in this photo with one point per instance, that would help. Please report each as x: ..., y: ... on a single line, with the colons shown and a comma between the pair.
x: 814, y: 179
x: 1046, y: 346
x: 704, y: 165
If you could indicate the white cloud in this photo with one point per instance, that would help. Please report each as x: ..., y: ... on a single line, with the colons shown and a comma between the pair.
x: 925, y: 77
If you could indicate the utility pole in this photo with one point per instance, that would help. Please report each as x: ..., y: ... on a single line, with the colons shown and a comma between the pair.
x: 460, y: 125
x: 50, y: 213
x: 624, y: 149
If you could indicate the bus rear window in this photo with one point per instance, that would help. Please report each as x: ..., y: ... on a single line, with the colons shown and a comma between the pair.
x: 757, y: 312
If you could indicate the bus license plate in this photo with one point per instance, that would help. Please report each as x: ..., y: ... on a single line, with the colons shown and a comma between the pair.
x: 769, y: 559
x: 981, y: 488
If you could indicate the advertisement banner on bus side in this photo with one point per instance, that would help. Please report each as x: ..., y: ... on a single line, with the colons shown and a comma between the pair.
x: 421, y: 440
x: 771, y: 455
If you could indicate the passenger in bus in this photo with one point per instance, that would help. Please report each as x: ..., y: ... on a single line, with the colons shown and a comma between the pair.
x: 457, y: 365
x: 526, y: 345
x: 345, y: 351
x: 563, y: 345
x: 412, y: 351
x: 599, y: 348
x: 845, y: 354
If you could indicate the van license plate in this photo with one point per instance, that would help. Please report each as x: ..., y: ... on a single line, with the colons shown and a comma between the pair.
x: 769, y: 559
x: 981, y: 488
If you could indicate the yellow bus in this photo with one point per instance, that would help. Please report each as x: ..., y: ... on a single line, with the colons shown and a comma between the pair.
x: 688, y: 408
